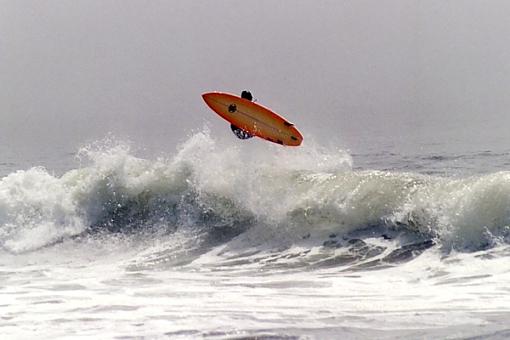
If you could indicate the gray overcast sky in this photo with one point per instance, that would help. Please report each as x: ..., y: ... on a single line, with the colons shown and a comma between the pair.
x: 72, y: 71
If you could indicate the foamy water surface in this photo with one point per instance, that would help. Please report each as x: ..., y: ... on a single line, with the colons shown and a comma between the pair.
x: 218, y: 242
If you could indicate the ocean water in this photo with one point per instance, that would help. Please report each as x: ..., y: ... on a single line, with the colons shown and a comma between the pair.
x: 216, y: 242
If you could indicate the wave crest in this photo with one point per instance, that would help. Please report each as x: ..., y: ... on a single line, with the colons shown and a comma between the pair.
x: 225, y: 189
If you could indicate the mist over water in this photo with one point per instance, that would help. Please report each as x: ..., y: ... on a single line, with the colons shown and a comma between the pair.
x: 405, y: 74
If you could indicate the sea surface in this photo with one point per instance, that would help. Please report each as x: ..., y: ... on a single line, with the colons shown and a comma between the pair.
x: 219, y: 240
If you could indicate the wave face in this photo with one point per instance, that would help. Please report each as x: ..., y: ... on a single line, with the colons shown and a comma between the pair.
x: 297, y: 194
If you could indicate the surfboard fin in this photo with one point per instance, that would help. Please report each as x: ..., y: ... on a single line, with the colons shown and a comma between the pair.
x: 240, y: 133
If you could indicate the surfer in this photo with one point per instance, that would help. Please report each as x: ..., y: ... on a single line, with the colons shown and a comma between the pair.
x: 240, y: 133
x: 247, y: 95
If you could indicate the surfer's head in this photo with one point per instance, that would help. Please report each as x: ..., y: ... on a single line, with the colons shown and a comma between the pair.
x: 246, y: 95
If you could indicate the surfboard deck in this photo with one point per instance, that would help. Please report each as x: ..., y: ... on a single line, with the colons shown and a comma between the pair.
x: 253, y: 118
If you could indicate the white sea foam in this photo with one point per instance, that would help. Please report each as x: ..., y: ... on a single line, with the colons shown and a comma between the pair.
x: 219, y: 242
x: 309, y: 189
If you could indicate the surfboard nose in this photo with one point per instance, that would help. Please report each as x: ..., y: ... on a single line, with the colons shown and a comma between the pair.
x: 208, y: 99
x: 206, y: 96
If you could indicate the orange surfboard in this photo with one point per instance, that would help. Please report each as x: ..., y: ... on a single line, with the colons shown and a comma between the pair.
x: 252, y: 119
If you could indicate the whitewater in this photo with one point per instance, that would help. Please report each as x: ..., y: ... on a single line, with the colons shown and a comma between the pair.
x: 215, y: 242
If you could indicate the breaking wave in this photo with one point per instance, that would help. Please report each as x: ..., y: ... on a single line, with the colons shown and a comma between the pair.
x: 289, y: 194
